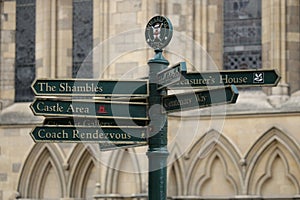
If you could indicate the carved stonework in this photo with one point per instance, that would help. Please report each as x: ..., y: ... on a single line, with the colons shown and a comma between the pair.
x: 242, y: 31
x: 246, y: 32
x: 242, y: 60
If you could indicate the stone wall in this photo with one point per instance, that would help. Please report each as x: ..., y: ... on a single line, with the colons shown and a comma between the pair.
x: 7, y: 52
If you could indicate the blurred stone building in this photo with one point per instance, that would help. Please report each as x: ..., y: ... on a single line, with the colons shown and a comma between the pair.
x: 249, y: 150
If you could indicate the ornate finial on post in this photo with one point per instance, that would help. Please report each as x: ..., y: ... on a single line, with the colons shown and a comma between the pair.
x: 159, y: 32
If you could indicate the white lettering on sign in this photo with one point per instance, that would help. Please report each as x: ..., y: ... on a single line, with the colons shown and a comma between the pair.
x: 210, y: 80
x: 232, y: 80
x: 42, y: 133
x: 49, y: 108
x: 65, y: 87
x: 169, y: 76
x: 77, y: 110
x: 100, y: 135
x: 46, y: 87
x: 179, y: 102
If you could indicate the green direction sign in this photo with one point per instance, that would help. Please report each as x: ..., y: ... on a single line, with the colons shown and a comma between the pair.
x: 116, y: 135
x: 96, y: 109
x: 200, y: 99
x: 70, y: 87
x: 83, y: 121
x: 236, y: 77
x: 171, y: 75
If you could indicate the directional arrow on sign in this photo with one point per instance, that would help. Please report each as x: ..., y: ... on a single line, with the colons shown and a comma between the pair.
x: 104, y: 109
x: 71, y: 87
x: 171, y: 75
x: 200, y: 99
x: 116, y: 135
x: 236, y: 77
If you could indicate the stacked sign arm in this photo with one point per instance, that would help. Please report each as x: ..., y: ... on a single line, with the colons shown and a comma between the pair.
x: 241, y: 78
x: 108, y: 122
x: 200, y: 99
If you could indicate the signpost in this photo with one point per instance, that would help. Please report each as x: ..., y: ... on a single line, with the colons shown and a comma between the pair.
x: 200, y: 99
x: 171, y: 75
x: 237, y: 77
x: 116, y: 135
x: 119, y: 122
x: 82, y: 87
x: 105, y: 109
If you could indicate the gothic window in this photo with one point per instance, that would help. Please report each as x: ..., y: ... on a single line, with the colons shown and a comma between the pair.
x: 82, y: 38
x: 242, y: 34
x: 25, y: 49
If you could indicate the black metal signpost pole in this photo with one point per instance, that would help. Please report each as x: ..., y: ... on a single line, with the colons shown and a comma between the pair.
x: 157, y: 152
x: 158, y: 34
